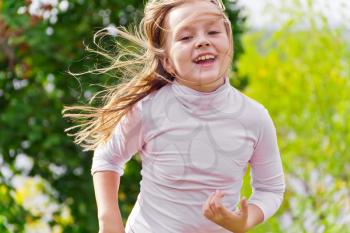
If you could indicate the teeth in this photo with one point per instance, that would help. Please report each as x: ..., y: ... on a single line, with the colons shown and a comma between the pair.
x: 203, y: 58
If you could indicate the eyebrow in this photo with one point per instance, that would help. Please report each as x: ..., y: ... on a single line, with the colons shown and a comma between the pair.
x: 184, y: 28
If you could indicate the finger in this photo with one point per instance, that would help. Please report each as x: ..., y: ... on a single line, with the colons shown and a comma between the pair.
x: 212, y: 202
x: 207, y: 202
x: 223, y: 210
x: 217, y: 205
x: 207, y: 211
x: 219, y: 208
x: 244, y: 207
x: 218, y: 197
x: 219, y: 194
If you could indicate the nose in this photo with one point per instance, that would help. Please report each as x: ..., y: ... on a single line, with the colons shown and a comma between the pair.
x: 202, y: 41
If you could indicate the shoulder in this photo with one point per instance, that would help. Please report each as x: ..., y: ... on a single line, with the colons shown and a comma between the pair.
x: 155, y: 98
x: 257, y: 118
x: 252, y: 107
x: 254, y: 115
x: 139, y: 108
x: 253, y: 104
x: 153, y: 101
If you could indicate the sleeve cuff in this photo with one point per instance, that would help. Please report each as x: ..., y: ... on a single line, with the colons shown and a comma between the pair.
x: 261, y: 206
x: 108, y: 167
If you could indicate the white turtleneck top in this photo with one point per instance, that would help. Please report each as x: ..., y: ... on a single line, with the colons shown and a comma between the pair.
x: 192, y: 143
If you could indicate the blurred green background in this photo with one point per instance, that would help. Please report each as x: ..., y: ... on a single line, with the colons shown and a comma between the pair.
x: 300, y: 71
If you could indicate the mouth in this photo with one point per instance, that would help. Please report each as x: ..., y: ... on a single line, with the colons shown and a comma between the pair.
x: 206, y: 62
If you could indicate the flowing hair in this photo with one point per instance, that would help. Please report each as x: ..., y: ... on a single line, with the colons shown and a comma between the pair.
x: 141, y: 69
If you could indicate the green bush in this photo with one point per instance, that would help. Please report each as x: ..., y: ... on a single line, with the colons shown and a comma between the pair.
x: 302, y: 76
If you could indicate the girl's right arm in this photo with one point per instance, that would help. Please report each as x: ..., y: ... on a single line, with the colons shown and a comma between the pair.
x: 106, y: 186
x: 108, y: 166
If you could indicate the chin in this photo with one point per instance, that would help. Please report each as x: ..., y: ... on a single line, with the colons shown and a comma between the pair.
x: 207, y: 79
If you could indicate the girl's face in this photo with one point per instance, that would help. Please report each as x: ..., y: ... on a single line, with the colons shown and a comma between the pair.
x: 197, y: 45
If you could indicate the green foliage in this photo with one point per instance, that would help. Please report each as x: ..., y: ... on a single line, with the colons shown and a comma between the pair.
x: 10, y: 212
x: 302, y: 77
x: 33, y: 88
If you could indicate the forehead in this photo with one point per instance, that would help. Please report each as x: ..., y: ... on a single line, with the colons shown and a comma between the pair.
x: 191, y: 13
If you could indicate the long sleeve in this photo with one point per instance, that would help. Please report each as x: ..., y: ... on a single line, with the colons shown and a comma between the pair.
x: 267, y: 176
x: 126, y: 140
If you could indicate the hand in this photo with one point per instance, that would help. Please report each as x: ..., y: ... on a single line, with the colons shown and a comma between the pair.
x: 233, y: 221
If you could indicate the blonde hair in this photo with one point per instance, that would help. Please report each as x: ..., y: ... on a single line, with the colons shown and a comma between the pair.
x: 142, y: 73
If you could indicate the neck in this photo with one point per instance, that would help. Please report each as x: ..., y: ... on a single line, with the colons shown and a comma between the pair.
x: 202, y: 87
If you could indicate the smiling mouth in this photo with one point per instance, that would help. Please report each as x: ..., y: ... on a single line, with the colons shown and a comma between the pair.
x: 206, y: 62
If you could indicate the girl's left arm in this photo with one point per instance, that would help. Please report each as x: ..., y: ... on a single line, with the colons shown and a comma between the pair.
x: 267, y: 176
x: 268, y: 184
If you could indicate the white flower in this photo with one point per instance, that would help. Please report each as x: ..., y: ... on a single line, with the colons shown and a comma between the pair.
x: 6, y: 171
x: 36, y: 203
x: 112, y: 30
x: 24, y: 163
x: 50, y: 209
x: 49, y: 87
x: 286, y: 220
x: 63, y: 6
x: 49, y: 31
x: 320, y: 229
x: 65, y: 215
x: 18, y: 181
x: 21, y: 10
x: 49, y: 2
x: 291, y: 135
x: 53, y: 19
x: 310, y: 220
x: 57, y: 170
x: 57, y: 229
x: 297, y: 185
x: 40, y: 8
x: 328, y: 181
x: 37, y: 226
x: 19, y: 84
x: 1, y: 159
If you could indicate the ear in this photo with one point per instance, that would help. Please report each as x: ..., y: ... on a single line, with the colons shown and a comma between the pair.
x: 167, y: 65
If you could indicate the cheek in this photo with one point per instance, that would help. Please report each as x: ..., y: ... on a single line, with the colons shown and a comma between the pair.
x: 224, y: 43
x: 181, y: 55
x: 226, y: 48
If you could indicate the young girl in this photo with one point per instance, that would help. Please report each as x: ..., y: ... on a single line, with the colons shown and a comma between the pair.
x: 195, y: 133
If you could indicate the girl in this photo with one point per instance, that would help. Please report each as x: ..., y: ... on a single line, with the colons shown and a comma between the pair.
x: 195, y: 133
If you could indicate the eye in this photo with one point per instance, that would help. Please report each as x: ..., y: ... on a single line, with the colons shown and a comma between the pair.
x: 213, y: 32
x: 186, y: 38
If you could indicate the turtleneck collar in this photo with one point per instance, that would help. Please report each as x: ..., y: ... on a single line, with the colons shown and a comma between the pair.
x: 198, y: 102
